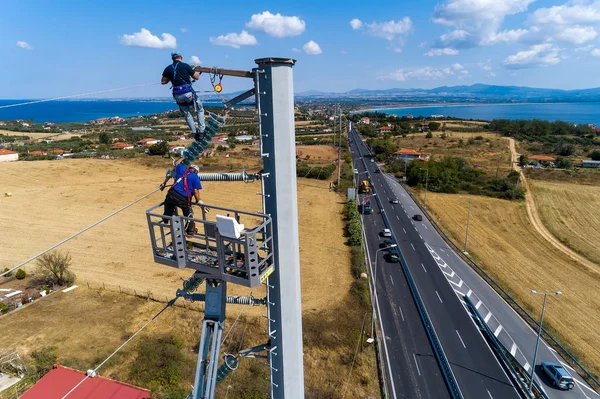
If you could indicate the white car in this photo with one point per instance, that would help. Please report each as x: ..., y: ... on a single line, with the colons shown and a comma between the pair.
x: 386, y: 233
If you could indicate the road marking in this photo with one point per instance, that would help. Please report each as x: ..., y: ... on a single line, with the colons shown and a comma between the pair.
x: 404, y: 230
x: 392, y: 280
x: 397, y: 217
x: 451, y: 275
x: 425, y: 226
x: 438, y: 295
x: 459, y: 293
x: 460, y: 283
x: 478, y: 304
x: 421, y: 236
x: 461, y: 341
x: 412, y: 246
x: 392, y: 206
x: 469, y: 293
x: 401, y: 314
x: 497, y: 332
x: 513, y: 350
x: 527, y: 366
x: 488, y: 317
x: 490, y: 394
x: 412, y: 207
x: 423, y: 266
x: 417, y: 364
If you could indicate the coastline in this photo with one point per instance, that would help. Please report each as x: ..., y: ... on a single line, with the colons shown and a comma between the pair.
x: 437, y: 105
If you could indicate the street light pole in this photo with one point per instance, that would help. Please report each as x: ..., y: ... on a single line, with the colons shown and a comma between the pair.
x: 537, y: 342
x: 426, y: 182
x: 467, y: 233
x: 375, y: 288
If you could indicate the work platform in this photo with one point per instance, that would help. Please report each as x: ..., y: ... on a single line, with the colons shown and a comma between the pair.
x: 222, y: 247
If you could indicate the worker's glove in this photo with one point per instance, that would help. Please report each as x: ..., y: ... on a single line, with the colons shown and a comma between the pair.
x: 207, y: 209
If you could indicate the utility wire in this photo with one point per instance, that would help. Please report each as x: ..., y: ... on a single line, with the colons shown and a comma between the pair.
x: 169, y: 304
x: 77, y: 95
x: 355, y: 354
x: 78, y: 233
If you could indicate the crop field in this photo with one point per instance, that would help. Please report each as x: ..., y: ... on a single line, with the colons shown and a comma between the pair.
x: 52, y: 200
x: 572, y: 214
x: 508, y: 247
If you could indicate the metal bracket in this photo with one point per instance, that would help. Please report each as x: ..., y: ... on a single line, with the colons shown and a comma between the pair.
x: 240, y: 98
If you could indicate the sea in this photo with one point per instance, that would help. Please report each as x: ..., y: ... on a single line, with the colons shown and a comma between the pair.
x: 86, y: 110
x: 578, y: 113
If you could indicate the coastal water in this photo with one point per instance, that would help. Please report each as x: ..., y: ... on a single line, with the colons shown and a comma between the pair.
x: 569, y: 112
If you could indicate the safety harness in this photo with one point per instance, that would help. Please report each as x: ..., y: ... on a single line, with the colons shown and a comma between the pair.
x: 185, y: 185
x: 181, y: 89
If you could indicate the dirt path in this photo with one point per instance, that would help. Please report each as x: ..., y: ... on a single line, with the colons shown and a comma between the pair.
x: 534, y: 216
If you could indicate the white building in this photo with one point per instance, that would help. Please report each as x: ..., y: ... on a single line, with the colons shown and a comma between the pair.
x: 8, y: 156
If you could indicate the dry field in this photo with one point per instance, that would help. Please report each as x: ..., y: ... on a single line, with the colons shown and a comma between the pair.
x: 317, y: 153
x: 572, y: 213
x: 490, y: 155
x: 54, y: 199
x: 507, y: 246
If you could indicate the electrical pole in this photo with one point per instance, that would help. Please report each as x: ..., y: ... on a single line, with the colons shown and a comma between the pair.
x: 339, y: 148
x: 467, y: 233
x: 275, y: 92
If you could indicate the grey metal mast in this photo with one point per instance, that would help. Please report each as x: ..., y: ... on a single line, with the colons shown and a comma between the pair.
x: 274, y: 89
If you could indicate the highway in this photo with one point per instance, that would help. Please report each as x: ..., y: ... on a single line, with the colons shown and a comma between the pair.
x: 475, y: 367
x: 443, y: 276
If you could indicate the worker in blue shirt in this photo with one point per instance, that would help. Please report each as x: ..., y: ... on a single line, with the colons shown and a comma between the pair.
x: 180, y: 75
x: 187, y: 185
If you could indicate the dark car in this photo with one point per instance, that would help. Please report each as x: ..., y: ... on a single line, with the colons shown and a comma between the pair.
x: 385, y: 243
x: 377, y: 171
x: 558, y: 375
x: 393, y: 256
x: 418, y: 218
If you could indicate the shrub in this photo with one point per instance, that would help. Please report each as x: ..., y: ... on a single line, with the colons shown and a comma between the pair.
x: 434, y: 125
x: 53, y: 268
x: 5, y: 270
x: 3, y: 307
x: 161, y: 148
x: 429, y: 135
x: 595, y: 155
x: 20, y: 274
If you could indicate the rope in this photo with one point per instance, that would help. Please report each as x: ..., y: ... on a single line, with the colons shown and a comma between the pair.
x: 78, y: 95
x: 169, y: 304
x: 355, y: 354
x: 78, y: 233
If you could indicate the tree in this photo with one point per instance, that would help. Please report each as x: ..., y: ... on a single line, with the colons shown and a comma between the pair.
x: 434, y: 125
x: 595, y: 155
x: 53, y: 267
x: 20, y: 274
x: 564, y: 149
x: 104, y: 138
x: 563, y: 163
x: 523, y: 160
x: 429, y: 135
x: 161, y: 148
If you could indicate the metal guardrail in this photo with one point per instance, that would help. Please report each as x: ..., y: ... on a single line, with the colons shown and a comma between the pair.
x: 440, y: 355
x: 505, y: 294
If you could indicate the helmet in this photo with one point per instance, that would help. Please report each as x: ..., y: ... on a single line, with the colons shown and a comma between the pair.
x: 196, y: 168
x: 175, y: 55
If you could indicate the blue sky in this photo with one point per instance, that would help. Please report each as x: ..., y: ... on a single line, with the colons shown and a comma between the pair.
x: 52, y: 49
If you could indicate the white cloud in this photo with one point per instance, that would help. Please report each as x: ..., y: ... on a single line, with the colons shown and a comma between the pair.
x: 429, y: 73
x: 24, y: 45
x: 486, y: 65
x: 312, y: 48
x: 296, y: 50
x: 234, y: 40
x: 493, y: 74
x: 475, y: 22
x: 356, y: 24
x: 144, y: 38
x: 441, y: 51
x: 537, y: 55
x: 343, y: 52
x: 575, y: 22
x: 577, y: 34
x: 195, y: 60
x: 277, y: 25
x: 390, y: 30
x: 595, y: 52
x: 184, y: 30
x: 511, y: 35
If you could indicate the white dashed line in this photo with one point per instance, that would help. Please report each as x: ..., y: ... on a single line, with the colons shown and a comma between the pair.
x: 527, y: 367
x: 392, y: 206
x: 438, y: 295
x: 392, y: 280
x: 491, y: 397
x: 497, y: 332
x: 488, y: 317
x: 404, y: 230
x: 417, y: 364
x: 421, y: 236
x: 461, y: 341
x: 469, y: 293
x: 401, y: 314
x: 425, y: 226
x: 478, y: 305
x: 423, y: 266
x: 413, y: 247
x: 397, y: 217
x: 513, y: 350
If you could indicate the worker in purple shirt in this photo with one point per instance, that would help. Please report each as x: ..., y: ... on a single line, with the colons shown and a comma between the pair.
x: 187, y: 185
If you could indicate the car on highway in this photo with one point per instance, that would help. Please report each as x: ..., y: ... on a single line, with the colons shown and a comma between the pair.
x: 385, y: 243
x: 418, y: 218
x: 372, y: 160
x: 393, y: 256
x: 386, y: 233
x: 558, y: 375
x: 395, y: 201
x: 377, y: 171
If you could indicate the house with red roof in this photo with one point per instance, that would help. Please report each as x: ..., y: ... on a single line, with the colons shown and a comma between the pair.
x: 407, y: 155
x: 121, y: 146
x: 60, y: 380
x: 147, y: 142
x: 8, y: 155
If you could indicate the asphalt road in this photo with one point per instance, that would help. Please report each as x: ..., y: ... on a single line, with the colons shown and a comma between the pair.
x: 477, y: 371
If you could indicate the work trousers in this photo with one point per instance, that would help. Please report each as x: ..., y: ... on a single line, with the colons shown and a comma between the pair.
x: 174, y: 200
x: 187, y: 100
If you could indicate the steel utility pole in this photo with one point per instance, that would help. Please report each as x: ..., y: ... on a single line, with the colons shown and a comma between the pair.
x: 426, y: 183
x: 467, y: 233
x: 275, y: 93
x: 537, y: 342
x: 339, y: 148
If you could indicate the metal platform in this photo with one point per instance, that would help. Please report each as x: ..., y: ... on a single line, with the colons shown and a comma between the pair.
x: 243, y: 257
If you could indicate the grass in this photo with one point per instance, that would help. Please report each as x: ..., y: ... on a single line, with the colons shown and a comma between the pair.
x: 572, y: 214
x: 63, y: 197
x: 508, y: 248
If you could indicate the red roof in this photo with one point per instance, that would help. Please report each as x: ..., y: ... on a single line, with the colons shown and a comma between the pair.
x: 117, y: 146
x: 146, y: 140
x: 407, y: 151
x: 6, y: 152
x: 60, y: 380
x: 542, y: 158
x: 38, y: 153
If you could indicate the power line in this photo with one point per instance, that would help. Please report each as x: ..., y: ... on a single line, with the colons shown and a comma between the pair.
x: 77, y: 95
x: 78, y: 233
x: 93, y: 373
x: 355, y: 354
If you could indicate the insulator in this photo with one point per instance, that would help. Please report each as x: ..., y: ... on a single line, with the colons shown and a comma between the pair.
x: 230, y: 363
x: 242, y: 176
x: 235, y: 300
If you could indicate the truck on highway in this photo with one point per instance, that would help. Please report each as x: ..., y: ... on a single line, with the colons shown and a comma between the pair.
x: 365, y: 186
x: 367, y: 208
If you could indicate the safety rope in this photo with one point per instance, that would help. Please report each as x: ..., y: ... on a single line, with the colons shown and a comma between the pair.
x: 78, y: 233
x: 77, y: 95
x: 94, y: 371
